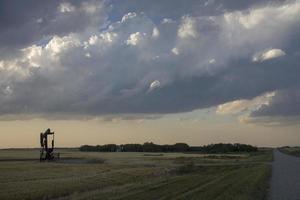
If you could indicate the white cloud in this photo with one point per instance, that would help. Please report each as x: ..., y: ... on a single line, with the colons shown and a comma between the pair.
x: 66, y: 7
x: 269, y: 121
x: 155, y: 33
x: 93, y: 39
x: 246, y: 20
x: 155, y: 84
x: 58, y: 44
x: 1, y: 64
x: 239, y: 106
x: 175, y: 51
x: 267, y: 15
x: 233, y: 107
x: 187, y: 28
x: 13, y: 70
x: 268, y: 54
x: 88, y: 55
x: 167, y: 21
x: 91, y: 7
x: 129, y: 15
x: 108, y: 36
x: 247, y: 32
x: 33, y: 54
x: 134, y: 39
x: 212, y: 61
x: 8, y: 91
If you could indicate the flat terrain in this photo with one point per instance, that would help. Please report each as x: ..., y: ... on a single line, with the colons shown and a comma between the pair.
x: 94, y: 175
x: 285, y: 182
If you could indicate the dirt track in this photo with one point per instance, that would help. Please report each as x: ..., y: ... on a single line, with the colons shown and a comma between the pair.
x: 285, y: 181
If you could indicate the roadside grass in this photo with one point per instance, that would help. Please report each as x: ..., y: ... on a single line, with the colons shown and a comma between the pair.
x: 261, y: 156
x: 134, y: 176
x: 294, y: 151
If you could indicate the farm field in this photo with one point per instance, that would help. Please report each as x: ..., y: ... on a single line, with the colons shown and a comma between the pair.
x: 122, y: 175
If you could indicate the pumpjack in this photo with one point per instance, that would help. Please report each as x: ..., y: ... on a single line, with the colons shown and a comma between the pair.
x: 46, y: 152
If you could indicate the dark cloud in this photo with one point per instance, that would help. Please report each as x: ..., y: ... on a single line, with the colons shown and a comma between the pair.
x: 23, y: 23
x: 157, y: 9
x: 18, y: 21
x: 284, y: 104
x: 26, y: 22
x: 244, y: 80
x: 212, y: 52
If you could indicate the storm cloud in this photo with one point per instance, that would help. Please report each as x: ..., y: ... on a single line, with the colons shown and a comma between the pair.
x: 95, y: 58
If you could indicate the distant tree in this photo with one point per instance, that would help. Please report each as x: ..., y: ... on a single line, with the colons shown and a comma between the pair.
x: 151, y: 147
x: 178, y: 147
x: 181, y: 147
x: 132, y: 147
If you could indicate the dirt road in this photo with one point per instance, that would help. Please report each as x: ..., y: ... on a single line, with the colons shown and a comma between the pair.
x: 285, y: 181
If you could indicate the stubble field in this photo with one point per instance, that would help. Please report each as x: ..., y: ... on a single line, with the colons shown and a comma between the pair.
x: 121, y: 175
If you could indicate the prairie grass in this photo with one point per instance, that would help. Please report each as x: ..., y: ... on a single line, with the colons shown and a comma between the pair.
x: 294, y: 151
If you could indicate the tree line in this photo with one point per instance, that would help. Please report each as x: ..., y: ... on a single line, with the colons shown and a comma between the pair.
x: 178, y: 147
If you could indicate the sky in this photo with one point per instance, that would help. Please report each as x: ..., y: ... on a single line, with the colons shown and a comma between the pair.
x: 167, y: 71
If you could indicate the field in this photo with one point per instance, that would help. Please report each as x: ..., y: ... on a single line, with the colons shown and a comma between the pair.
x: 295, y: 151
x: 94, y: 175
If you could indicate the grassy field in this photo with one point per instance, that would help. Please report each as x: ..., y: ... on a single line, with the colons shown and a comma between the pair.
x: 295, y: 151
x: 94, y: 175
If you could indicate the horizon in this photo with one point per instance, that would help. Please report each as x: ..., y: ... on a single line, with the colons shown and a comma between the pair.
x: 77, y: 147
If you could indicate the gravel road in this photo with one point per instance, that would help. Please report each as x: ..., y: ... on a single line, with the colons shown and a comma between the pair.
x: 285, y: 181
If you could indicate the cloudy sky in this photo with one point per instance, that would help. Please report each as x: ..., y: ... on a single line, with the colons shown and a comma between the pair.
x: 137, y: 70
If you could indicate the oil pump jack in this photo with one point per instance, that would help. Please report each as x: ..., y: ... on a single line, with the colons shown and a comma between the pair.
x: 46, y: 152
